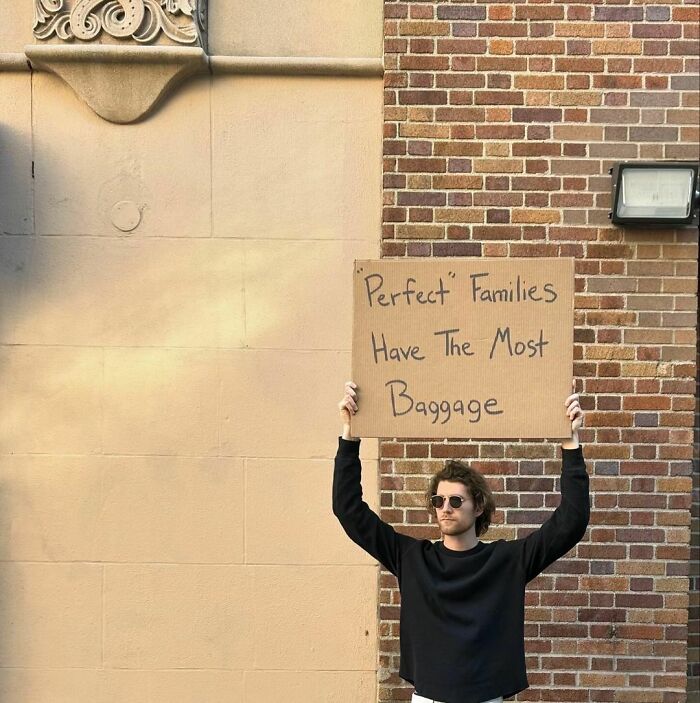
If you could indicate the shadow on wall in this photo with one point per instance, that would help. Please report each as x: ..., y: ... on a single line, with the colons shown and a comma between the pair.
x: 16, y: 244
x: 15, y: 182
x: 16, y: 223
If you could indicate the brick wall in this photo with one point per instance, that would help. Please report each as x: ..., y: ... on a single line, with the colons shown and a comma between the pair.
x: 501, y: 122
x: 694, y: 609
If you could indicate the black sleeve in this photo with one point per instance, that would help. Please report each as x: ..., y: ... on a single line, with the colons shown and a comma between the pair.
x: 567, y: 525
x: 362, y: 525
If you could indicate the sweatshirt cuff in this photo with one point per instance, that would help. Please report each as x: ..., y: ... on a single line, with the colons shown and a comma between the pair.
x: 348, y: 447
x: 572, y: 457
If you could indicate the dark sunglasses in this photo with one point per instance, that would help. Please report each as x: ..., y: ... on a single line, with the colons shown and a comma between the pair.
x: 439, y: 501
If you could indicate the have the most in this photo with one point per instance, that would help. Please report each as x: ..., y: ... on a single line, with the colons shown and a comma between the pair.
x: 383, y: 351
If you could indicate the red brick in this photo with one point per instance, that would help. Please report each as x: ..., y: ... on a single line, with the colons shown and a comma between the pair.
x: 422, y: 165
x: 423, y: 97
x: 424, y: 63
x: 459, y: 80
x: 537, y: 114
x: 421, y: 46
x: 461, y: 12
x: 391, y: 249
x: 461, y: 46
x: 607, y: 13
x: 611, y: 81
x: 459, y: 114
x: 542, y: 46
x: 501, y: 63
x: 498, y: 97
x: 502, y: 29
x: 456, y: 249
x: 539, y: 12
x: 500, y: 131
x: 585, y: 65
x: 647, y: 29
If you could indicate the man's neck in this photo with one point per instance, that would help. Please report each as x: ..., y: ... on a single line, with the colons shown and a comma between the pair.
x: 461, y: 543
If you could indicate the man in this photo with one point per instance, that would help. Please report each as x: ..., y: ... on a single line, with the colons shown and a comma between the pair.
x: 462, y: 600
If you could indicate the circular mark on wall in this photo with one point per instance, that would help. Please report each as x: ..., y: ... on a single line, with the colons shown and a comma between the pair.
x: 123, y: 203
x: 125, y: 215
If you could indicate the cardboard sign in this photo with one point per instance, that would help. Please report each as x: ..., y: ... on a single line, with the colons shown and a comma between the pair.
x: 458, y: 347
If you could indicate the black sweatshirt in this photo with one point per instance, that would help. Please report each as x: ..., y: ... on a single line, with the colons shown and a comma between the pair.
x: 462, y: 612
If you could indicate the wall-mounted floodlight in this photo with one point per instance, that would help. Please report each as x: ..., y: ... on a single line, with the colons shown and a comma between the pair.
x: 655, y: 193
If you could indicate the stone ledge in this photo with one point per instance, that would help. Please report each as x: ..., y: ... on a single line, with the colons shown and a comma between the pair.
x: 283, y: 65
x: 270, y: 65
x: 13, y: 62
x: 121, y: 84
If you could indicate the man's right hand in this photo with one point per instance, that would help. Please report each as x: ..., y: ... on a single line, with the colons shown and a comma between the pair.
x: 348, y: 407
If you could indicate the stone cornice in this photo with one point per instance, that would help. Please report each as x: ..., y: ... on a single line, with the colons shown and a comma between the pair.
x: 297, y: 66
x: 122, y: 56
x: 120, y: 83
x: 14, y: 62
x: 257, y: 65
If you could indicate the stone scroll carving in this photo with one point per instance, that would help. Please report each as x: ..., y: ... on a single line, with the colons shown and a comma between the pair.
x: 120, y: 56
x: 143, y: 21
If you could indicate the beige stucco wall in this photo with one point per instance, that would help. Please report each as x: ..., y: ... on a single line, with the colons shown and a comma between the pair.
x: 168, y: 408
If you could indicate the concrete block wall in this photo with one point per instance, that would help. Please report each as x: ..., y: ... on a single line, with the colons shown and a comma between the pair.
x: 169, y: 405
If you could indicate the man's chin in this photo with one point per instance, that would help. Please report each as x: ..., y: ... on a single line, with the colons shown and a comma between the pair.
x: 451, y: 529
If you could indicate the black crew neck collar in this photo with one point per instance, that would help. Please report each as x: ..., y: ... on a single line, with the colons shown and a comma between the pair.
x: 460, y: 552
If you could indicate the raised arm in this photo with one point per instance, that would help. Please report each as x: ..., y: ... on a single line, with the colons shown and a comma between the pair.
x: 361, y: 524
x: 565, y: 528
x: 567, y: 525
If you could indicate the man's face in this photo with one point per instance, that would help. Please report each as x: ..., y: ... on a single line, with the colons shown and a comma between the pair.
x: 455, y: 521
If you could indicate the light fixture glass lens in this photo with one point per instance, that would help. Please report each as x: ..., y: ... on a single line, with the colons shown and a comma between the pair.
x: 649, y: 192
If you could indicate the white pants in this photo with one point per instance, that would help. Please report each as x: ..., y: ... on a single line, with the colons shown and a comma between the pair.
x: 419, y: 699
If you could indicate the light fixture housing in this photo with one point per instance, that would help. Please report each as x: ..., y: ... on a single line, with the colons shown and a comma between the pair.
x: 657, y: 193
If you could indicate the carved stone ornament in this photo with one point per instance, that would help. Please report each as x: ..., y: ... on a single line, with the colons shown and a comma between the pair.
x: 182, y: 21
x: 120, y: 56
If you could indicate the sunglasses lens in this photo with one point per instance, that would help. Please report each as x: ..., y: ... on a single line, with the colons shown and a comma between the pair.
x: 439, y: 501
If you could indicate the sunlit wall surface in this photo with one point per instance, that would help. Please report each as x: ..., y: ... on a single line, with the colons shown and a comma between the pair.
x: 175, y: 320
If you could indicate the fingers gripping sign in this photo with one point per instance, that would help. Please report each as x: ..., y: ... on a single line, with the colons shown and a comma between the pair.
x: 348, y: 405
x: 573, y: 410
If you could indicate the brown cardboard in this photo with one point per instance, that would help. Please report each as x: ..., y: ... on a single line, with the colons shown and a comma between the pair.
x: 504, y: 374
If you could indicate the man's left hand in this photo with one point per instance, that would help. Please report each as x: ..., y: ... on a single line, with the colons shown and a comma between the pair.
x: 573, y: 410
